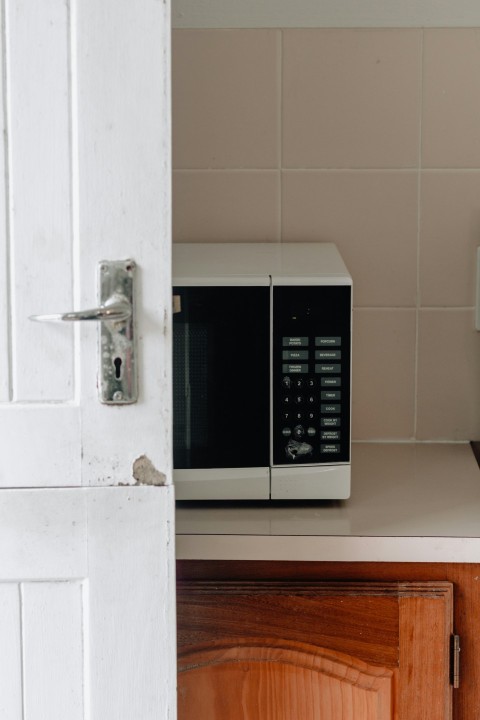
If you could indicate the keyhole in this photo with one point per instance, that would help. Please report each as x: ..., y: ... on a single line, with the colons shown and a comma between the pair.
x: 118, y: 365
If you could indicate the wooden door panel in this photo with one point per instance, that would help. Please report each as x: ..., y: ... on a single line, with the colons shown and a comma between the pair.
x: 316, y: 651
x: 281, y: 681
x: 52, y: 649
x: 86, y: 611
x: 463, y: 576
x: 253, y: 607
x: 424, y: 655
x: 85, y: 178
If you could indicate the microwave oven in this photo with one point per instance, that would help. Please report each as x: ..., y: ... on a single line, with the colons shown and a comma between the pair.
x: 261, y: 371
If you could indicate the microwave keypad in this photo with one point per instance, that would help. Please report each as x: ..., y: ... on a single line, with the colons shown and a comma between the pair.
x: 311, y: 410
x: 311, y: 402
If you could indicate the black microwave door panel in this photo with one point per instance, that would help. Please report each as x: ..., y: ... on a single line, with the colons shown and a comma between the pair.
x: 311, y: 374
x: 221, y: 356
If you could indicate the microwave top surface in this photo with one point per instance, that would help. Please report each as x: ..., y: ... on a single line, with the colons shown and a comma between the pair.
x: 295, y: 263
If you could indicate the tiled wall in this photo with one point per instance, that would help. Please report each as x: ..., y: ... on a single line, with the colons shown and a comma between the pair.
x: 369, y: 139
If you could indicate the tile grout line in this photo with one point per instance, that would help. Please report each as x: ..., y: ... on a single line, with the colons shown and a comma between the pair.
x: 419, y: 218
x: 280, y: 131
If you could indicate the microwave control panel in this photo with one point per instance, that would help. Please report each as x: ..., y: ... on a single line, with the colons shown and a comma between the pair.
x: 311, y: 374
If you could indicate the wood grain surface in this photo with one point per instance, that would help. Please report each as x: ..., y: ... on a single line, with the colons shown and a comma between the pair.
x: 466, y: 607
x: 254, y: 648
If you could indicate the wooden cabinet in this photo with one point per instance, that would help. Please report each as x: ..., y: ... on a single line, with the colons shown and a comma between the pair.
x: 316, y: 641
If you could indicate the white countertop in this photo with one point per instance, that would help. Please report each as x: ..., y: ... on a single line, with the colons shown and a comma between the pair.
x: 412, y: 502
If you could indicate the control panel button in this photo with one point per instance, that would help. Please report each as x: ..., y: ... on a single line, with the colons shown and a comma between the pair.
x: 298, y: 399
x: 287, y: 400
x: 328, y: 355
x: 298, y: 432
x: 295, y: 341
x: 296, y: 449
x: 330, y: 435
x: 286, y: 432
x: 298, y: 383
x: 330, y: 395
x: 327, y: 368
x: 331, y: 382
x: 330, y: 422
x: 333, y: 408
x: 295, y: 355
x: 311, y: 431
x: 287, y: 383
x: 331, y: 448
x: 295, y: 369
x: 328, y: 341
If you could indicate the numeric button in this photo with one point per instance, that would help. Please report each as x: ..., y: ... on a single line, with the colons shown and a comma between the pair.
x: 298, y: 432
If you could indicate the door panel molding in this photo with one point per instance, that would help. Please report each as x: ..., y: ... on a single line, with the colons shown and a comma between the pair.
x: 401, y: 629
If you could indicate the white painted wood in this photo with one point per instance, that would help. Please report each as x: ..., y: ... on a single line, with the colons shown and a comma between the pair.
x: 124, y: 211
x: 38, y: 107
x: 98, y: 636
x: 131, y: 603
x: 52, y: 629
x: 11, y: 705
x: 88, y: 119
x: 328, y: 13
x: 88, y: 571
x: 47, y: 462
x: 4, y: 254
x: 43, y: 534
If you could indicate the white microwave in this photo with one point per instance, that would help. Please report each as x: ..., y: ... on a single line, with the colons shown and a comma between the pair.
x: 261, y: 371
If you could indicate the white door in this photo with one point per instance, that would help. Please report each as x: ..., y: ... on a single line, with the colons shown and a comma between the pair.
x: 86, y: 502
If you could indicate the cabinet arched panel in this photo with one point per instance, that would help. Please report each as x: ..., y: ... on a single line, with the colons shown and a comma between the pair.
x: 275, y: 650
x: 281, y: 680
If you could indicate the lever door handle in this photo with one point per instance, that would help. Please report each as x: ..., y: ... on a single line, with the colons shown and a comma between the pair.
x: 115, y: 308
x: 117, y: 374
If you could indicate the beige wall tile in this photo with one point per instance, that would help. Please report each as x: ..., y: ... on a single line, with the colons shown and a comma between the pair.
x: 371, y: 216
x: 351, y: 98
x: 448, y: 396
x: 226, y: 206
x: 451, y: 114
x: 383, y: 374
x: 449, y: 235
x: 225, y: 95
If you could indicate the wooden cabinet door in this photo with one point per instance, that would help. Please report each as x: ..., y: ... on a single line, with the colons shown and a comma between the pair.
x: 314, y: 651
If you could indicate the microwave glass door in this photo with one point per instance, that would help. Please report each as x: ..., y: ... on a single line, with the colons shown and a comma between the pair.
x: 221, y: 360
